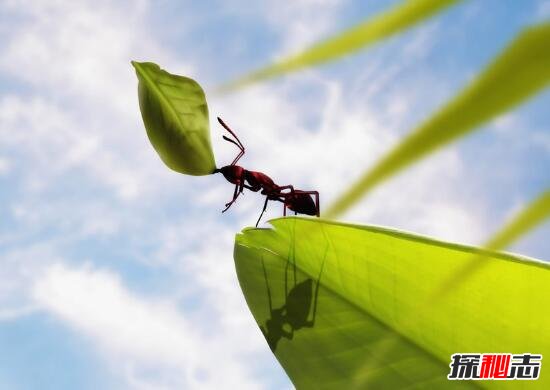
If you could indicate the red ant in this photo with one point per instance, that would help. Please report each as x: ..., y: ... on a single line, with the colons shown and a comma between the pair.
x: 296, y: 200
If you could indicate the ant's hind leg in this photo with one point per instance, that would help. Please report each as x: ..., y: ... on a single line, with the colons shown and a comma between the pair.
x: 288, y: 187
x: 318, y: 204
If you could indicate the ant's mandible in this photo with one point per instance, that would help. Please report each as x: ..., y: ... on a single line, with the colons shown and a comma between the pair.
x: 296, y: 200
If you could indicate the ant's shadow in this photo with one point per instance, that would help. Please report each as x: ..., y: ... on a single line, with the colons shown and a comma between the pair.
x: 293, y: 315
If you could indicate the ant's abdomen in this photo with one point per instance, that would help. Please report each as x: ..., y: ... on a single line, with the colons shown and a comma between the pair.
x: 303, y: 204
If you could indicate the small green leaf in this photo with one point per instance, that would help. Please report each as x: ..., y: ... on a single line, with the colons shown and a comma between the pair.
x: 175, y: 115
x: 521, y: 71
x: 404, y: 15
x: 345, y: 306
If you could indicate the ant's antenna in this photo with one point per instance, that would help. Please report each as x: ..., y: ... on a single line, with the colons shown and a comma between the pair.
x: 239, y: 144
x: 233, y: 142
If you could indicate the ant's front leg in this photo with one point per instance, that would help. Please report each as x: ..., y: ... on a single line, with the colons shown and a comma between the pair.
x: 241, y: 187
x: 235, y: 196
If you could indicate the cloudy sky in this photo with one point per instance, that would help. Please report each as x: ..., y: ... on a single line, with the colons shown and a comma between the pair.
x: 117, y: 273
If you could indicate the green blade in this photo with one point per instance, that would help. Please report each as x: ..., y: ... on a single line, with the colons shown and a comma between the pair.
x: 403, y: 16
x: 521, y: 71
x: 371, y: 327
x: 175, y: 115
x: 528, y: 219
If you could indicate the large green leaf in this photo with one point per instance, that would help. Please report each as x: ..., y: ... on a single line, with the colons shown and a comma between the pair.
x: 175, y: 115
x: 404, y: 15
x: 522, y: 70
x: 354, y: 300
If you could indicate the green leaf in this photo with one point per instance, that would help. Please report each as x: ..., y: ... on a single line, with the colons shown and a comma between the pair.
x: 403, y: 16
x: 175, y: 115
x: 521, y: 71
x: 530, y: 217
x: 526, y: 220
x: 353, y: 299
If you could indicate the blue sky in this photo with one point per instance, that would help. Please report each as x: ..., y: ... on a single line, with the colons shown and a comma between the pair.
x: 117, y: 273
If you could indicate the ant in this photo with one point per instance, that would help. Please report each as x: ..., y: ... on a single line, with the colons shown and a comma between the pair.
x: 295, y: 200
x: 294, y: 312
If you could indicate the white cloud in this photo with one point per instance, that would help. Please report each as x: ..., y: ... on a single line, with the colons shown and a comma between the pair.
x: 80, y: 48
x: 5, y: 166
x: 51, y: 141
x: 79, y: 123
x: 353, y: 133
x: 296, y: 24
x: 542, y: 140
x: 7, y: 314
x: 543, y: 10
x: 20, y: 262
x: 505, y: 123
x: 302, y: 22
x: 140, y: 333
x: 82, y: 112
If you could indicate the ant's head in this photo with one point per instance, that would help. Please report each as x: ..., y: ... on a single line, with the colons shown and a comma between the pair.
x: 232, y: 173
